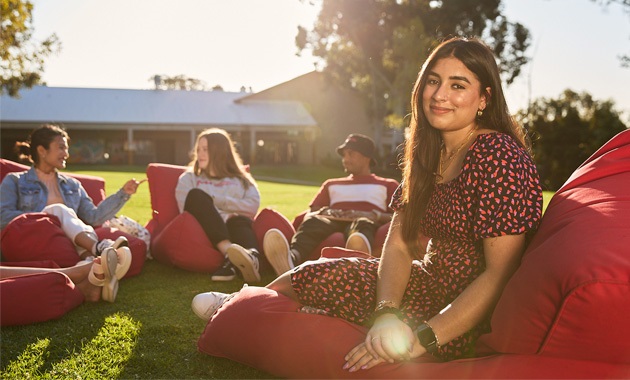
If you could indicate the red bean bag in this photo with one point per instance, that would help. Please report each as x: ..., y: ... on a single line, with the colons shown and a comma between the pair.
x: 162, y: 179
x: 38, y: 236
x: 564, y: 314
x: 178, y: 239
x: 37, y: 298
x: 137, y: 247
x: 267, y: 219
x: 184, y: 244
x: 575, y: 275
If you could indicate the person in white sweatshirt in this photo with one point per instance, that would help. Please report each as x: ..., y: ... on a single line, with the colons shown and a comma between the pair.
x: 224, y: 198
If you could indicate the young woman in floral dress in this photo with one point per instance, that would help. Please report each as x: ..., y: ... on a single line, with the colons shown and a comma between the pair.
x: 471, y: 186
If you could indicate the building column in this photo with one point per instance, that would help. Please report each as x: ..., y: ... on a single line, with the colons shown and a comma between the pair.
x: 193, y: 138
x: 130, y: 146
x: 252, y: 145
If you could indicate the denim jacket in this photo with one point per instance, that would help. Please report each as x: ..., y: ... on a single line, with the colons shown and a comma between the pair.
x: 23, y: 192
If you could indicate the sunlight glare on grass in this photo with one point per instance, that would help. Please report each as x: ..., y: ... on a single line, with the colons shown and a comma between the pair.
x: 103, y: 357
x: 27, y: 365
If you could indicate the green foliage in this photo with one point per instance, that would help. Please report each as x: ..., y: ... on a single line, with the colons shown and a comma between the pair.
x: 624, y: 59
x: 378, y: 46
x: 178, y: 82
x: 566, y: 131
x: 22, y: 59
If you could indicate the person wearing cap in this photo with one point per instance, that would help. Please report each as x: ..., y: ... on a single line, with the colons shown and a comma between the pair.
x: 355, y: 205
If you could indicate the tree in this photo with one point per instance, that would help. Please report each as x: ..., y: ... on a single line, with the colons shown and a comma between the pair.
x: 178, y: 82
x: 22, y: 58
x: 566, y: 131
x: 378, y: 46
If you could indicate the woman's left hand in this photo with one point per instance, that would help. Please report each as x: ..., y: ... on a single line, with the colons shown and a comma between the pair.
x: 131, y: 186
x: 360, y: 358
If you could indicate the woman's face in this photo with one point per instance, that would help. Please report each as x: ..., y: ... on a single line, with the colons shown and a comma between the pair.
x: 203, y: 158
x: 56, y: 154
x: 451, y: 96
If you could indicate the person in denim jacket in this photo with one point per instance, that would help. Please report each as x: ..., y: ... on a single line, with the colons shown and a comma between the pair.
x: 43, y: 189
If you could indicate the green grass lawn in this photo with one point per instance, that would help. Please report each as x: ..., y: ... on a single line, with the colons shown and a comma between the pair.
x: 150, y: 332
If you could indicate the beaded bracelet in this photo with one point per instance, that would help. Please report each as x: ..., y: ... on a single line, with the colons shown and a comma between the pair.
x: 380, y: 311
x: 383, y: 303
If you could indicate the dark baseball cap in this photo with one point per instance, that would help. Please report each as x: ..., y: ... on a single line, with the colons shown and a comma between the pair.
x: 361, y: 144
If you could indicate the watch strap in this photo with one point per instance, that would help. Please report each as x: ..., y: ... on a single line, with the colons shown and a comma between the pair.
x: 427, y: 338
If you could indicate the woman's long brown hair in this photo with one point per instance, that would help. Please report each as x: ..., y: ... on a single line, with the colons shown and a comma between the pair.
x: 224, y: 160
x: 422, y: 148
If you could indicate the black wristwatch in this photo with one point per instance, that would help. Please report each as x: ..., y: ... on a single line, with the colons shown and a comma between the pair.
x: 427, y: 338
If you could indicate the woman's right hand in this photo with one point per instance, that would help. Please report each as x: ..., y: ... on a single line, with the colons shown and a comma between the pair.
x: 130, y: 187
x: 390, y: 339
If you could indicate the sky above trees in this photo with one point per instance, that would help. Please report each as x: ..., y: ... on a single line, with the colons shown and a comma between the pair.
x: 235, y: 43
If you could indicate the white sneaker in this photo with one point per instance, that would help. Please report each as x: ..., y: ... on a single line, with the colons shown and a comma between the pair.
x: 204, y: 305
x: 246, y: 260
x: 359, y: 242
x: 277, y: 251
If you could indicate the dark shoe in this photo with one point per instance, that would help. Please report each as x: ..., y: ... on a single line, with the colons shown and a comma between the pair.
x: 225, y: 273
x: 246, y: 260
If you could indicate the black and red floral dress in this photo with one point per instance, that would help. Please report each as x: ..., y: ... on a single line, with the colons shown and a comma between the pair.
x: 496, y: 193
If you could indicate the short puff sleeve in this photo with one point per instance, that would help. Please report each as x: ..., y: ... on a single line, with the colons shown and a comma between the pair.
x: 504, y: 189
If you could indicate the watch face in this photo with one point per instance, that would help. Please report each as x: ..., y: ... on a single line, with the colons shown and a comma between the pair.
x: 427, y: 338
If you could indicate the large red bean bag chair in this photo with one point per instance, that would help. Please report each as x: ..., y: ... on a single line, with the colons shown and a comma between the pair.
x: 37, y: 297
x: 38, y: 236
x: 564, y: 313
x: 178, y: 239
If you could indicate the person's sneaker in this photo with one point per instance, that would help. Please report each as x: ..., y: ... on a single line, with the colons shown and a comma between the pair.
x: 278, y: 252
x: 204, y: 305
x: 225, y: 273
x: 102, y: 244
x: 246, y: 260
x: 359, y: 242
